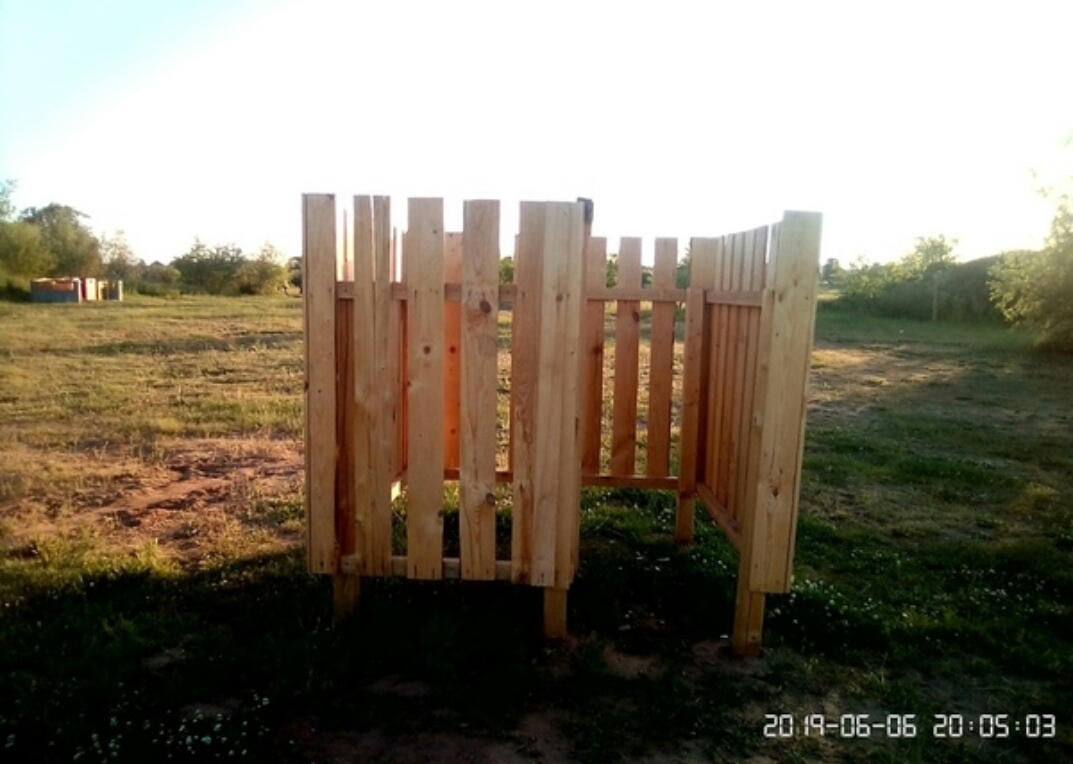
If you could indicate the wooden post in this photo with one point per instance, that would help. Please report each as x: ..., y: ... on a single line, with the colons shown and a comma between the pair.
x: 555, y: 613
x: 318, y: 289
x: 769, y: 522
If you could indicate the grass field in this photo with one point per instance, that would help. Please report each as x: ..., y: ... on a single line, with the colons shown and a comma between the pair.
x: 154, y: 605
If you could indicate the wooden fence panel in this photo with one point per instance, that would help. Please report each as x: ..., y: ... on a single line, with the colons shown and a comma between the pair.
x: 452, y: 362
x: 318, y: 285
x: 480, y: 311
x: 718, y: 372
x: 627, y: 336
x: 593, y: 371
x: 386, y: 410
x: 359, y: 365
x: 423, y: 270
x: 702, y: 274
x: 661, y: 363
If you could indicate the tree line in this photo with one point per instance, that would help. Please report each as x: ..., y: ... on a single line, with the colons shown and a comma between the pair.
x: 55, y: 241
x: 1028, y: 288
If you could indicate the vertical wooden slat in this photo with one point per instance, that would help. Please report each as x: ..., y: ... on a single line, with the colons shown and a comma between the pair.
x: 423, y: 276
x: 593, y: 371
x: 661, y: 365
x: 360, y: 367
x: 752, y: 280
x: 692, y: 389
x: 480, y: 312
x: 718, y: 373
x: 397, y: 360
x: 734, y: 372
x: 318, y: 288
x: 702, y: 270
x: 568, y: 227
x: 525, y: 344
x: 627, y: 334
x: 452, y: 362
x: 345, y: 584
x: 385, y: 414
x: 781, y: 408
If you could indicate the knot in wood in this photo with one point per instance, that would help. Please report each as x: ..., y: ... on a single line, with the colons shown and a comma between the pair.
x: 486, y: 307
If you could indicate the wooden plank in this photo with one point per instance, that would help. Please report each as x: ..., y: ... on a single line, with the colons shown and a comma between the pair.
x: 718, y: 374
x: 345, y: 584
x: 598, y: 481
x: 556, y: 469
x: 692, y: 390
x: 396, y: 359
x: 748, y: 621
x: 452, y: 568
x: 423, y: 276
x: 345, y: 291
x: 702, y: 253
x: 525, y: 344
x: 592, y: 382
x: 769, y: 529
x: 480, y: 316
x: 753, y: 279
x: 358, y: 365
x: 318, y: 289
x: 555, y: 613
x: 661, y: 364
x: 385, y: 414
x: 565, y: 239
x: 627, y: 336
x: 452, y: 362
x: 734, y: 372
x: 719, y: 514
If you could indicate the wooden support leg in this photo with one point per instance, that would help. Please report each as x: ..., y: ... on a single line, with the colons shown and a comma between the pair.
x: 748, y: 620
x: 684, y: 520
x: 555, y: 613
x: 346, y: 592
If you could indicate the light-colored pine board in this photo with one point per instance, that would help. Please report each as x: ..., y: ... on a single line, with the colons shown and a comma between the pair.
x: 769, y: 531
x: 318, y: 289
x: 593, y: 371
x: 753, y: 279
x: 718, y: 374
x: 702, y: 270
x: 735, y: 370
x: 524, y: 416
x: 423, y: 276
x: 661, y: 363
x: 748, y: 621
x: 556, y: 467
x: 480, y: 312
x: 719, y: 514
x: 346, y: 593
x: 452, y: 360
x: 555, y: 613
x: 346, y: 493
x: 386, y: 412
x: 565, y: 238
x: 396, y: 361
x: 627, y: 336
x: 506, y: 294
x: 358, y: 366
x: 692, y: 390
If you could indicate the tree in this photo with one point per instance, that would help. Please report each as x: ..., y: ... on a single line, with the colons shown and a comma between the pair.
x: 506, y: 270
x: 7, y: 208
x: 1036, y: 288
x: 118, y: 258
x: 74, y: 249
x: 22, y: 250
x: 211, y: 271
x: 294, y: 272
x: 262, y: 275
x: 831, y: 273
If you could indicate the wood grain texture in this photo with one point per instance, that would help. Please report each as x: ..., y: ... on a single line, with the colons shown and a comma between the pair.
x: 423, y: 276
x: 770, y: 532
x: 358, y: 365
x: 702, y: 272
x: 627, y: 336
x: 477, y: 466
x: 692, y: 392
x: 592, y: 382
x: 318, y: 279
x: 385, y: 391
x: 525, y: 346
x: 452, y: 344
x: 661, y: 363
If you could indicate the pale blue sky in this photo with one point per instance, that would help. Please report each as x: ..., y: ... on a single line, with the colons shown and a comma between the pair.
x: 173, y: 120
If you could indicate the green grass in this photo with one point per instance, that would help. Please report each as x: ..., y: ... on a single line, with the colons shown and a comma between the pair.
x: 933, y: 570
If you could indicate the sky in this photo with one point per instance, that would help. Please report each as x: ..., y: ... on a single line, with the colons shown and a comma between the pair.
x: 209, y: 118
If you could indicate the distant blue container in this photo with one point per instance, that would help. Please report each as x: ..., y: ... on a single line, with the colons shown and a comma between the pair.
x: 56, y: 290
